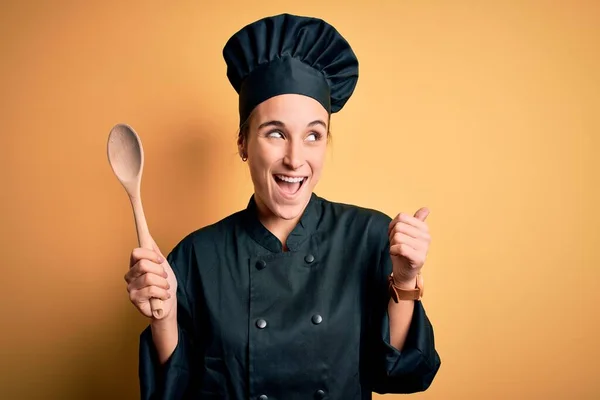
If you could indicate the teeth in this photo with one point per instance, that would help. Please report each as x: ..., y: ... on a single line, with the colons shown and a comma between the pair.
x: 289, y: 178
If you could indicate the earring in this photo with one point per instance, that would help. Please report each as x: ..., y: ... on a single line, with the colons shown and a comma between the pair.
x: 244, y: 158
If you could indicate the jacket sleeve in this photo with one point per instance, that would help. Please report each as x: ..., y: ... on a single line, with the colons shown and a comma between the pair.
x: 412, y: 369
x: 170, y: 380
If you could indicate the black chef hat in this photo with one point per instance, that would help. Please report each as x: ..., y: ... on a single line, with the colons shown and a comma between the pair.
x: 290, y: 54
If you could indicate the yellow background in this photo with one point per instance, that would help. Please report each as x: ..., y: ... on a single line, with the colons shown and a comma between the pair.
x: 486, y: 112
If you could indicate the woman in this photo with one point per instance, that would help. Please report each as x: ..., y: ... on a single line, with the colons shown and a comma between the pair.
x: 294, y: 297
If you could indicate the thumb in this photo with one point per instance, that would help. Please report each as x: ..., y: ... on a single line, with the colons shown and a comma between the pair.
x: 422, y: 213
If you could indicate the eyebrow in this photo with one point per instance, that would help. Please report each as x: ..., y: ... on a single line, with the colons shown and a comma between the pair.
x: 280, y: 124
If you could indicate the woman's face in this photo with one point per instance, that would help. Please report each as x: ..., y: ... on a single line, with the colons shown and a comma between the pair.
x: 286, y: 146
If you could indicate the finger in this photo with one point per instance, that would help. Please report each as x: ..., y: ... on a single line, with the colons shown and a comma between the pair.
x: 422, y: 213
x: 416, y: 257
x: 406, y: 218
x: 403, y: 217
x: 417, y: 223
x: 147, y: 293
x: 140, y: 254
x: 142, y: 267
x: 401, y: 238
x: 393, y: 223
x: 148, y: 279
x: 410, y: 231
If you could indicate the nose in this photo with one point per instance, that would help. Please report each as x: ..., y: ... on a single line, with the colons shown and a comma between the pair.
x: 293, y: 158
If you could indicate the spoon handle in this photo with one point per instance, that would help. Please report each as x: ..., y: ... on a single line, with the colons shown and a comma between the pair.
x: 145, y: 241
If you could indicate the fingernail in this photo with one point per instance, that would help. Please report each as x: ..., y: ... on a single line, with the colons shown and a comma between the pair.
x: 161, y: 260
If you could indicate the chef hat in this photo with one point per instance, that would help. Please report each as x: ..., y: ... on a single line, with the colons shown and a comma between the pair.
x: 290, y: 54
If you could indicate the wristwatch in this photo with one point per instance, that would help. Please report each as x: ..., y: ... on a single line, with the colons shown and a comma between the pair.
x: 398, y: 293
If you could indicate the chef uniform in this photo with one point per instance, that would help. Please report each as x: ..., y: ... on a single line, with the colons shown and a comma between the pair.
x: 257, y: 322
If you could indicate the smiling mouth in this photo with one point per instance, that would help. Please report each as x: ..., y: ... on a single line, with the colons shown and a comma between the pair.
x: 289, y: 185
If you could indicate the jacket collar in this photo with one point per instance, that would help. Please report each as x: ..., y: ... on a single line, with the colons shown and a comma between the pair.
x: 302, y: 231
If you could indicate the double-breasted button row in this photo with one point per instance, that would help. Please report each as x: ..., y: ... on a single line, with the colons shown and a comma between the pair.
x: 262, y: 324
x: 262, y: 264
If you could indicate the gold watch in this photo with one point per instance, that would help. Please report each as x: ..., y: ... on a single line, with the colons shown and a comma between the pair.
x: 398, y: 293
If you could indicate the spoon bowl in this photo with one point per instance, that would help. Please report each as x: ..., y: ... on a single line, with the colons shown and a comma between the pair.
x: 125, y: 153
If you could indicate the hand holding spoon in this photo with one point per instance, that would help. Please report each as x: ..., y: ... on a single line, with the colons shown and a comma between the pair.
x: 126, y: 158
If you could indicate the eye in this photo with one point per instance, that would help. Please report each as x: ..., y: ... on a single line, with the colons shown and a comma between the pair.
x: 314, y: 136
x: 275, y: 135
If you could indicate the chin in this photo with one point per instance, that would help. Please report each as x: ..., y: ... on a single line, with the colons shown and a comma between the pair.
x: 288, y: 211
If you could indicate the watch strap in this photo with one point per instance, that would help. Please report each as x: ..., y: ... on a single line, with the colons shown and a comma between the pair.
x: 398, y: 293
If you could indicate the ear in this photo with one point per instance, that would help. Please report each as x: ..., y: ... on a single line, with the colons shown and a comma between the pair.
x: 242, y: 150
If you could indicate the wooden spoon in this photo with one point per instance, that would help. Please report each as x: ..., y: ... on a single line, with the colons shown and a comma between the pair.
x: 126, y: 157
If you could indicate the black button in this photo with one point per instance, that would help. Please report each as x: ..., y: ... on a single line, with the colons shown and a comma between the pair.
x: 320, y: 394
x: 261, y: 324
x: 263, y: 397
x: 261, y: 264
x: 309, y: 258
x: 317, y: 319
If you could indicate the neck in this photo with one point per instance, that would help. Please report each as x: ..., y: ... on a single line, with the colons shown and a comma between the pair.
x: 279, y: 227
